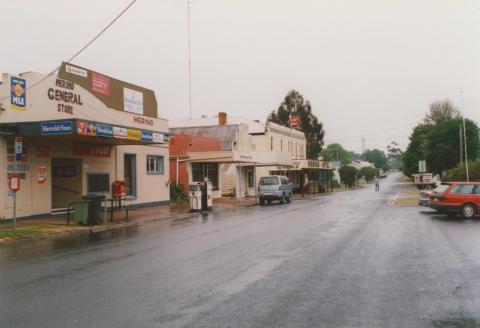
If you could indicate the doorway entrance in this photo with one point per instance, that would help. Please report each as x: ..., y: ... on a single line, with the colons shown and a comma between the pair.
x: 130, y: 174
x: 66, y: 181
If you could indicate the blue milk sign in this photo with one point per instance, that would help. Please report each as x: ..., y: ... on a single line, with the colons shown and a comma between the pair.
x: 18, y: 93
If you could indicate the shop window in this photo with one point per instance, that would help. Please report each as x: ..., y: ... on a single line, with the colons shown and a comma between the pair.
x: 155, y: 165
x: 200, y: 171
x: 98, y: 183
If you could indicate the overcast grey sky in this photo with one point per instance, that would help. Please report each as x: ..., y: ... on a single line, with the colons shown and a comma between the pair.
x: 369, y: 67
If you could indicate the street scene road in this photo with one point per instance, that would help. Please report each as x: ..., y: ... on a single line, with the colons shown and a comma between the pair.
x: 347, y: 259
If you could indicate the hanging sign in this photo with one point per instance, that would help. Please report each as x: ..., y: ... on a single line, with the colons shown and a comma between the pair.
x: 18, y: 148
x: 14, y: 182
x: 294, y: 121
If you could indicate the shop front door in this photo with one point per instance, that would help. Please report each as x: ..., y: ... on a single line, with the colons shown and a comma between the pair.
x: 66, y: 181
x: 130, y: 174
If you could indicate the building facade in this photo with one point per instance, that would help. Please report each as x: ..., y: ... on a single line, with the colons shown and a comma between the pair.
x: 248, y: 151
x: 80, y: 131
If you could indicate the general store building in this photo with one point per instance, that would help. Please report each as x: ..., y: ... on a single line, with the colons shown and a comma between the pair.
x: 81, y: 131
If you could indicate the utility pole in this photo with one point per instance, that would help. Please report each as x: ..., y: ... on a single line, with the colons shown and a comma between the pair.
x: 189, y: 63
x: 461, y: 143
x: 464, y: 135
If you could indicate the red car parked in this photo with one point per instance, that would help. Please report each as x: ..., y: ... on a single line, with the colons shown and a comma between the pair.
x: 456, y: 198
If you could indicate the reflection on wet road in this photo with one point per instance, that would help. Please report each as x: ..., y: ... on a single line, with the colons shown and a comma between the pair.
x: 340, y: 260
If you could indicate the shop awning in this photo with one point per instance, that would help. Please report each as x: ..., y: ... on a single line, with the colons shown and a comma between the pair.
x: 85, y: 131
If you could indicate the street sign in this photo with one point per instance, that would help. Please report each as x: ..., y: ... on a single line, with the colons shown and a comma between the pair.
x: 427, y: 178
x: 422, y: 166
x: 18, y: 148
x: 416, y: 178
x: 14, y: 182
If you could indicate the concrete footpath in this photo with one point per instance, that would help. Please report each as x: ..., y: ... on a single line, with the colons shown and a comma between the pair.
x: 49, y: 227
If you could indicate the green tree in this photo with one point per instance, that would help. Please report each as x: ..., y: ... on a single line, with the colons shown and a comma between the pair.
x: 335, y: 152
x: 348, y: 175
x: 440, y: 146
x: 443, y: 150
x: 368, y: 173
x: 416, y: 149
x: 377, y: 157
x: 295, y: 104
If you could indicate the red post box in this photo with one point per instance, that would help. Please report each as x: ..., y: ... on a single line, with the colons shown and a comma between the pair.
x: 118, y: 189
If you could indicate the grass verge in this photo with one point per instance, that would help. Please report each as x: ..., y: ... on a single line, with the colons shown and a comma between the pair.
x: 33, y: 231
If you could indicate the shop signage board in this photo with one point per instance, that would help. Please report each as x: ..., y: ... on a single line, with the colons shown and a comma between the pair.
x: 103, y: 130
x: 147, y: 136
x: 81, y: 128
x: 158, y: 137
x: 18, y: 148
x: 132, y: 101
x: 76, y: 70
x: 91, y: 131
x: 427, y: 178
x: 100, y: 84
x: 18, y: 93
x: 91, y: 149
x: 294, y: 121
x: 52, y: 128
x: 134, y: 134
x: 121, y: 133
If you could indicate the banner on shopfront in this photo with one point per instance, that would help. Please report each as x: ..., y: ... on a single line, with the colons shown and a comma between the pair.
x: 91, y: 149
x: 62, y: 127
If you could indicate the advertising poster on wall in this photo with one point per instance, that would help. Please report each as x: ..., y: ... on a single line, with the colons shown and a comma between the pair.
x: 133, y: 101
x: 42, y: 174
x: 18, y: 94
x: 100, y: 84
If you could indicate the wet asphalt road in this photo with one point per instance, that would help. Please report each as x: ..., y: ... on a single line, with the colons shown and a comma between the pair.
x: 341, y: 260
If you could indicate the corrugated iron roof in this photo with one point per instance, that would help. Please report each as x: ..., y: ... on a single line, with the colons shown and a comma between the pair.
x: 224, y: 133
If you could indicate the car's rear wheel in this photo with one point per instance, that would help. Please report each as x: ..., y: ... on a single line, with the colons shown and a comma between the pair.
x: 468, y: 211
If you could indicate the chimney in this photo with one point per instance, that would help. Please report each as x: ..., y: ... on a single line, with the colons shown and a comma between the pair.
x: 222, y: 118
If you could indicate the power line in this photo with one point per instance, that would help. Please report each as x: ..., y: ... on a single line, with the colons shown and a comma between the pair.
x: 84, y: 47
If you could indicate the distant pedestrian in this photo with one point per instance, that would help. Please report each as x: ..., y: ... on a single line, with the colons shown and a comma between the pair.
x: 377, y: 184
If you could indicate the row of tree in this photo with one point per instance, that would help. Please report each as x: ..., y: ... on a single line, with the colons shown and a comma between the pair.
x: 438, y: 140
x: 336, y: 152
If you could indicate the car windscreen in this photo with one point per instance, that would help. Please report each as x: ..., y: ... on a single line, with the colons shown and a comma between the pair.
x: 441, y: 189
x: 269, y: 181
